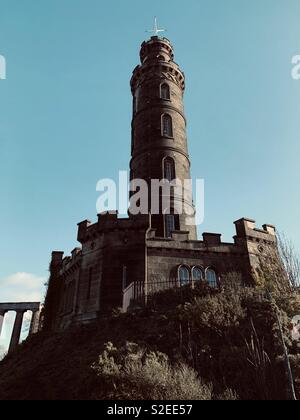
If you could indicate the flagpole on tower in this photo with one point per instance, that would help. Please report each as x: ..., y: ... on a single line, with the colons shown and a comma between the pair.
x: 156, y: 30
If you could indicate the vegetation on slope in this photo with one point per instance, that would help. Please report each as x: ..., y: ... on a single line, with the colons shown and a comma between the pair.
x: 187, y: 343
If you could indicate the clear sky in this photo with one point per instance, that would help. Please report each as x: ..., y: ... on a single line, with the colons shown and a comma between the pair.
x: 65, y: 113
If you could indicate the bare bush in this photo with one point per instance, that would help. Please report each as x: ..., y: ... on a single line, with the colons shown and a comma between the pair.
x: 133, y: 373
x: 290, y: 260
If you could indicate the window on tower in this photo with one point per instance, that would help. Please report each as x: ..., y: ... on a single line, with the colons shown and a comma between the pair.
x: 170, y: 224
x: 167, y: 126
x: 165, y: 91
x: 169, y: 169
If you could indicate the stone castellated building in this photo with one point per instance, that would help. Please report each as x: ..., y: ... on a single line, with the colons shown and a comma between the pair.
x: 122, y: 261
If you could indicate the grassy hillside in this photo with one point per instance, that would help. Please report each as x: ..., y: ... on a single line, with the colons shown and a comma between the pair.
x: 189, y: 344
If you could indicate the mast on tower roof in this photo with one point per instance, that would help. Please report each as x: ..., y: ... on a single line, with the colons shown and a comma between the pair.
x: 156, y: 29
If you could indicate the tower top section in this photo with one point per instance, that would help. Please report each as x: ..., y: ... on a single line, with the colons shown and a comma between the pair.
x: 157, y: 60
x: 156, y: 48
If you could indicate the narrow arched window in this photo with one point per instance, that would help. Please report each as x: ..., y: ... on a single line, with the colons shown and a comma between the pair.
x: 197, y: 274
x: 169, y: 169
x: 165, y: 91
x: 211, y: 278
x: 184, y: 276
x: 169, y: 224
x: 167, y: 128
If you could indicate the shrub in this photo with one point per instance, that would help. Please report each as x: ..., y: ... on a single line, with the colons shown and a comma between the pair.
x: 224, y: 310
x: 227, y: 395
x: 288, y: 302
x: 295, y: 366
x: 131, y: 372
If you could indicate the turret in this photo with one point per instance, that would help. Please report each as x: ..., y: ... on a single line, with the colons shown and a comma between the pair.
x: 159, y: 140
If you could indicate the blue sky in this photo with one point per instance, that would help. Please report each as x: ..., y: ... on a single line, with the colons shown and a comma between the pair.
x: 65, y: 113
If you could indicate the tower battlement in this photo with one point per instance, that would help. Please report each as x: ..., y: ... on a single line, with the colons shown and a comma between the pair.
x: 110, y: 222
x: 246, y: 229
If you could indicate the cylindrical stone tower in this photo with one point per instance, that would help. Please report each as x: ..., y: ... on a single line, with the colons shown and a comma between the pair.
x: 159, y: 140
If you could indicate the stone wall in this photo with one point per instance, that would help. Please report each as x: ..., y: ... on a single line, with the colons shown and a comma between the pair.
x: 92, y: 279
x: 117, y: 252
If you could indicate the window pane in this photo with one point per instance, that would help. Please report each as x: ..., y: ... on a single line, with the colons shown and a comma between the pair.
x: 197, y: 274
x: 170, y: 225
x: 167, y: 125
x: 211, y: 278
x: 169, y: 170
x: 165, y: 91
x: 184, y: 275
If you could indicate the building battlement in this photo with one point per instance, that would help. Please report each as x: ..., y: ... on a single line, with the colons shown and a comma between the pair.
x: 246, y: 229
x: 110, y: 222
x: 87, y: 231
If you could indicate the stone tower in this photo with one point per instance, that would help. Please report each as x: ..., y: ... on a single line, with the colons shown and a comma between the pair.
x: 122, y: 262
x: 159, y: 141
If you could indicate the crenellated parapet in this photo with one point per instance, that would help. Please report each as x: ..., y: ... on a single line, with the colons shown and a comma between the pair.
x: 246, y: 229
x: 108, y: 222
